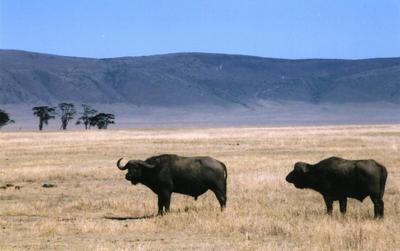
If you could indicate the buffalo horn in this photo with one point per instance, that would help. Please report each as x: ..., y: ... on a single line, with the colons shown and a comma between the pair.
x: 147, y: 165
x: 121, y: 167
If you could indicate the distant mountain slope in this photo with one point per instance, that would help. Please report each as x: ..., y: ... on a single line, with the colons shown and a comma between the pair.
x: 194, y: 79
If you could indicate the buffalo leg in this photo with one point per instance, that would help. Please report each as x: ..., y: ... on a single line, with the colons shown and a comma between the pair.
x: 378, y: 206
x: 343, y: 205
x: 221, y: 197
x: 167, y: 202
x: 329, y: 204
x: 164, y: 200
x: 160, y: 205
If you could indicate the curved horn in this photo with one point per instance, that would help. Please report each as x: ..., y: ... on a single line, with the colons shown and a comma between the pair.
x: 121, y: 167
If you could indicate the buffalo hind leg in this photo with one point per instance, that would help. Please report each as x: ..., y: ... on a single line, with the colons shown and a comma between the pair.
x: 221, y: 197
x: 329, y: 204
x: 343, y: 205
x: 164, y: 200
x: 378, y: 206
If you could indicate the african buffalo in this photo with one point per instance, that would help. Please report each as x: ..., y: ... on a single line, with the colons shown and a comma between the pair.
x: 336, y: 179
x: 169, y: 173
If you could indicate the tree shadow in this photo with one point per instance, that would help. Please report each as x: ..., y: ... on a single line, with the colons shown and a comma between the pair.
x: 122, y: 218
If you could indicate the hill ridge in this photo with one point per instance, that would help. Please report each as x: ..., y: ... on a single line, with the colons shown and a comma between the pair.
x: 195, y: 78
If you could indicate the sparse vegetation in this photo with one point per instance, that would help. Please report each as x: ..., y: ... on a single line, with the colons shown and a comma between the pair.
x: 93, y: 207
x: 102, y: 120
x: 87, y: 115
x: 5, y: 118
x: 67, y: 113
x: 90, y: 117
x: 44, y: 113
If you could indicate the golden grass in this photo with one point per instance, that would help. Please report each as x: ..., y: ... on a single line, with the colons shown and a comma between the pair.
x: 263, y: 211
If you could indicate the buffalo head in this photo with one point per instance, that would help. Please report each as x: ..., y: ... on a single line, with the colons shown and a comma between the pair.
x: 300, y: 175
x: 135, y: 169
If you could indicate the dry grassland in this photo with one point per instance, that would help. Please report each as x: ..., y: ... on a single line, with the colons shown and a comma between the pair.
x: 87, y: 208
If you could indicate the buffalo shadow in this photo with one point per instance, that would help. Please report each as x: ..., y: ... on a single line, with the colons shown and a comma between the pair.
x: 123, y: 218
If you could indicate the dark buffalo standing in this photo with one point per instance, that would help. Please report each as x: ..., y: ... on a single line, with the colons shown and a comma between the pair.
x: 169, y: 173
x: 336, y: 179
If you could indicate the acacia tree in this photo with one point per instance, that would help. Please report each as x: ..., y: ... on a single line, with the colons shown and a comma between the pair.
x: 87, y: 114
x: 67, y: 113
x: 102, y: 120
x: 45, y: 113
x: 5, y: 118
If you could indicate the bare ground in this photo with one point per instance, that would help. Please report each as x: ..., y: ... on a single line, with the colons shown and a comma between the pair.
x: 92, y: 206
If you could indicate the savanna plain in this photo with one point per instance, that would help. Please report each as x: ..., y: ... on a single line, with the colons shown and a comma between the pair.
x: 92, y: 207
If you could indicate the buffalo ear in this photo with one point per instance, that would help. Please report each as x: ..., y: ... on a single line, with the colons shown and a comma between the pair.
x: 302, y: 167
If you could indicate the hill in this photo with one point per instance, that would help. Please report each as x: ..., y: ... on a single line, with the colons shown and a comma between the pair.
x: 195, y: 79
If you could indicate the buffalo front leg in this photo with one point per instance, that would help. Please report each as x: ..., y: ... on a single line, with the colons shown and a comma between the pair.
x: 164, y: 200
x: 167, y: 202
x: 343, y: 205
x: 160, y: 205
x: 329, y: 204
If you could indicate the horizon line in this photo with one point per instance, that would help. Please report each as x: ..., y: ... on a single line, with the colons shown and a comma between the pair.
x: 194, y: 52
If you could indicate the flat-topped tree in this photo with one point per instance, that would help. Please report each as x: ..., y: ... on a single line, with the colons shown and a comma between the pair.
x: 44, y: 113
x: 5, y: 118
x: 102, y: 120
x: 87, y: 114
x: 67, y: 113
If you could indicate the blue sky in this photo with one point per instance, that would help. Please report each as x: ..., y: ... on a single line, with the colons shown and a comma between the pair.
x: 281, y: 28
